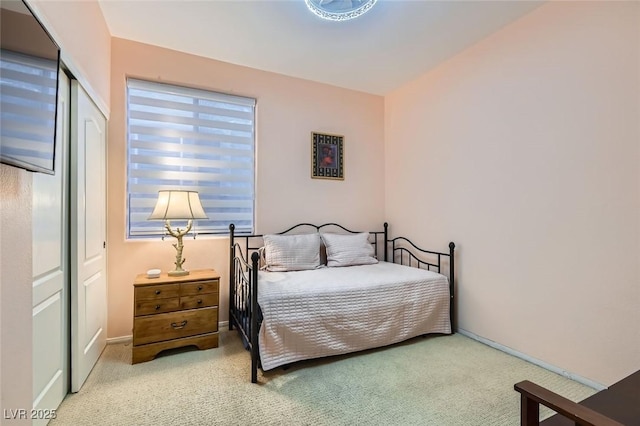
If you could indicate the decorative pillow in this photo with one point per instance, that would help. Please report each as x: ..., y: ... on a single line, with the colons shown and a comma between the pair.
x: 291, y: 252
x: 348, y: 250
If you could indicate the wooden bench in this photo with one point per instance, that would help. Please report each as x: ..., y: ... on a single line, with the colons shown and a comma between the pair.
x: 618, y: 405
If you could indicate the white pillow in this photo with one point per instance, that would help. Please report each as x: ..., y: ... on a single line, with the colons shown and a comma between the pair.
x: 349, y: 250
x: 291, y: 252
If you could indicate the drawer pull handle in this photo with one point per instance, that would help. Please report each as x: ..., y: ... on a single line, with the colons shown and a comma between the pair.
x: 199, y: 287
x: 158, y: 291
x: 199, y: 301
x: 177, y: 326
x: 157, y: 307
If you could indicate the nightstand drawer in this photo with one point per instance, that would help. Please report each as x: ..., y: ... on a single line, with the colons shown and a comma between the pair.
x: 154, y: 292
x: 158, y: 328
x: 199, y: 301
x: 200, y: 287
x: 148, y: 307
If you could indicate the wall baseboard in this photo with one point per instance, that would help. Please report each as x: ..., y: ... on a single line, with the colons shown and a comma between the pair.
x: 587, y: 382
x: 222, y: 326
x: 121, y: 339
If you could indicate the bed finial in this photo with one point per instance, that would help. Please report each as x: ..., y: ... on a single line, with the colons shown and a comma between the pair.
x: 452, y: 277
x: 253, y: 295
x: 232, y: 278
x: 386, y: 241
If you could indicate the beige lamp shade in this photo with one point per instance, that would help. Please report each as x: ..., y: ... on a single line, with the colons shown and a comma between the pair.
x: 181, y: 205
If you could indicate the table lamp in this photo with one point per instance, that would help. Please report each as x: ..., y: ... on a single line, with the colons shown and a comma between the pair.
x: 178, y: 205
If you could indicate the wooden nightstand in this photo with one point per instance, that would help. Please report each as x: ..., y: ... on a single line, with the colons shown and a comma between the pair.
x: 171, y: 312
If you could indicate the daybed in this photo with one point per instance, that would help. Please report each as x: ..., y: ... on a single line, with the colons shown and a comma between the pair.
x: 320, y: 293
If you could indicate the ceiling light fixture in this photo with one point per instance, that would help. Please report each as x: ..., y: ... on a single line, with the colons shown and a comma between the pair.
x: 339, y: 10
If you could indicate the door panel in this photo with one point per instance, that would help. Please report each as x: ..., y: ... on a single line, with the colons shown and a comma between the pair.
x: 47, y: 364
x: 94, y: 320
x: 94, y: 199
x: 50, y: 327
x: 88, y: 233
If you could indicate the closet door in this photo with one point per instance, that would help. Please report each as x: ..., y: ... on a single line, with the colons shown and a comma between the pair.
x: 50, y: 271
x: 88, y: 235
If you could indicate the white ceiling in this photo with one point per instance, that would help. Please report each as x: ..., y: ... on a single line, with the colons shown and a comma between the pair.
x: 393, y: 43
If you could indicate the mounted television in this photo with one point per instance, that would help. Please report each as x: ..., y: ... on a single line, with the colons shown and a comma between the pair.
x: 29, y: 64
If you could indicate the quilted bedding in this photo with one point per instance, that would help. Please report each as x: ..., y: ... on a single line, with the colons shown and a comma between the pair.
x: 331, y: 311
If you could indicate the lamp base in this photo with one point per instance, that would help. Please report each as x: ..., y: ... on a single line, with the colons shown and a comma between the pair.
x: 181, y: 273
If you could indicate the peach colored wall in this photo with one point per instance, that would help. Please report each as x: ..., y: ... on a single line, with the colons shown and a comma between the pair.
x: 527, y: 147
x: 81, y: 32
x: 288, y: 110
x: 15, y: 287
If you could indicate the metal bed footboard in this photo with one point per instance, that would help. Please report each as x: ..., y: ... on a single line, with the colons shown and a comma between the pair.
x: 404, y: 250
x: 244, y: 312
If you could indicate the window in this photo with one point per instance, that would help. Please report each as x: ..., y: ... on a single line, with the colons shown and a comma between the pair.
x: 191, y: 139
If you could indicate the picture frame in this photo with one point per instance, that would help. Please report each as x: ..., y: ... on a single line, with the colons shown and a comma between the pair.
x: 327, y: 156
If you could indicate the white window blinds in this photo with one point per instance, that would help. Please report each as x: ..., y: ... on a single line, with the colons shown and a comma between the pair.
x: 190, y: 139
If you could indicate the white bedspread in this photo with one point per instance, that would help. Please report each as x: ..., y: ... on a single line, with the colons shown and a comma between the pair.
x: 330, y: 311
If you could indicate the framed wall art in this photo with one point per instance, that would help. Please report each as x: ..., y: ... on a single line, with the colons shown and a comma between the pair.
x: 327, y: 156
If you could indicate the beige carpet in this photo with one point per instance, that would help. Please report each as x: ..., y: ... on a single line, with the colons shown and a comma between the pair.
x: 446, y: 380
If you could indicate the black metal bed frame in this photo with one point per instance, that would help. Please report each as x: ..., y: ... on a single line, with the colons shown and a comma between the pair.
x: 244, y: 311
